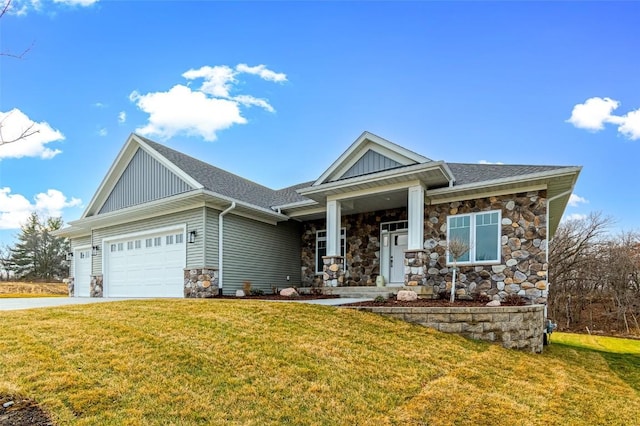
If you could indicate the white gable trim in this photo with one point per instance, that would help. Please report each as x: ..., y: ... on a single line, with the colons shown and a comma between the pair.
x: 119, y: 166
x: 361, y: 145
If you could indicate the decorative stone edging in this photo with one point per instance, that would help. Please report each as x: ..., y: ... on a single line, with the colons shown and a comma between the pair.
x: 514, y: 327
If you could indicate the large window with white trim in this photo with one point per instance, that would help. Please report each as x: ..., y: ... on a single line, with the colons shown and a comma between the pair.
x: 479, y: 232
x: 321, y: 248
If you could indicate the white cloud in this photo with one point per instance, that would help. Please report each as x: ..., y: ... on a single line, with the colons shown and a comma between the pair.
x: 263, y: 72
x: 595, y: 112
x: 22, y: 7
x: 575, y: 200
x: 102, y: 132
x: 574, y: 216
x: 183, y: 110
x: 16, y: 208
x: 205, y: 110
x: 489, y: 162
x: 15, y: 123
x: 76, y: 2
x: 122, y: 117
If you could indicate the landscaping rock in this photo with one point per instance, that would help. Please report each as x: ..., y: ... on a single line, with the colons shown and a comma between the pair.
x: 494, y: 303
x: 407, y: 295
x: 240, y: 293
x: 288, y: 292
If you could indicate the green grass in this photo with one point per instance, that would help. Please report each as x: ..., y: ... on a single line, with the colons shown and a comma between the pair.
x: 187, y: 362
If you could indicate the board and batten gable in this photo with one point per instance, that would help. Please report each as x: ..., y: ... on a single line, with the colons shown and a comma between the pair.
x: 370, y: 162
x: 193, y: 220
x: 143, y: 180
x: 260, y: 253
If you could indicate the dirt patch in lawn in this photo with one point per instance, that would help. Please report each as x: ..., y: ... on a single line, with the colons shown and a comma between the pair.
x: 15, y: 411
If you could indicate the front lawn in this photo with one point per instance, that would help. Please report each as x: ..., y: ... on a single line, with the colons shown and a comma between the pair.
x: 259, y: 363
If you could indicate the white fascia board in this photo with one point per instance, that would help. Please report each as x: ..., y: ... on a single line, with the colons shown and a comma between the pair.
x: 358, y: 145
x: 374, y: 177
x: 525, y: 180
x: 297, y: 204
x: 377, y: 190
x: 261, y: 211
x: 168, y: 164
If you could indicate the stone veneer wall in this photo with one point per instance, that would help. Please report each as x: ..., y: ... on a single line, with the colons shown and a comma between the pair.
x: 96, y: 286
x: 200, y: 283
x: 362, y: 251
x: 514, y: 327
x: 523, y: 267
x: 71, y: 286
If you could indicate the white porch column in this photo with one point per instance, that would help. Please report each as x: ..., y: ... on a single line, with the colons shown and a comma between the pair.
x: 334, y: 212
x: 416, y: 218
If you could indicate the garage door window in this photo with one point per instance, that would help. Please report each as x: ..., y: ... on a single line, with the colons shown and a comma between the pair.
x: 169, y: 240
x: 179, y: 238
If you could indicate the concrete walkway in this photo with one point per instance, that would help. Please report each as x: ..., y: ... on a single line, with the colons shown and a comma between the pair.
x: 12, y: 304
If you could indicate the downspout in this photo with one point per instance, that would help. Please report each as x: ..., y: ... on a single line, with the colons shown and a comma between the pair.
x: 220, y: 245
x: 549, y: 200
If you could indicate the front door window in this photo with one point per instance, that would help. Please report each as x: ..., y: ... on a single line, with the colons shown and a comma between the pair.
x: 399, y: 242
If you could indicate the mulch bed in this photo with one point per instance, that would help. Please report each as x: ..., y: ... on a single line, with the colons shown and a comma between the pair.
x: 278, y: 297
x: 426, y: 303
x: 18, y: 411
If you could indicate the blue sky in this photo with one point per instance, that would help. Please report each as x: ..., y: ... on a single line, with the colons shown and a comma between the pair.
x: 276, y: 91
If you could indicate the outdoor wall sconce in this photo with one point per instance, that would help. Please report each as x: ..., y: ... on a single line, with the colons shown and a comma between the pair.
x: 95, y: 250
x: 70, y: 255
x: 192, y: 237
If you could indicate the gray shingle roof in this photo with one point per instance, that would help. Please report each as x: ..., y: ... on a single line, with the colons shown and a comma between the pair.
x: 217, y: 180
x: 466, y: 173
x: 233, y: 186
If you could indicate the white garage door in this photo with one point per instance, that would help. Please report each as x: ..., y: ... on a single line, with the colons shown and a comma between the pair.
x: 146, y: 266
x: 81, y: 272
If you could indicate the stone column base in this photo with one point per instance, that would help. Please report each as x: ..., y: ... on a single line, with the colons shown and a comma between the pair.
x: 414, y: 267
x: 95, y: 289
x: 333, y: 275
x: 200, y: 283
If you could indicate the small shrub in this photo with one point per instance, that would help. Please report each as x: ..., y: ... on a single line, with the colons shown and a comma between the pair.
x: 514, y: 299
x: 256, y: 292
x: 482, y: 298
x: 380, y: 299
x: 246, y: 287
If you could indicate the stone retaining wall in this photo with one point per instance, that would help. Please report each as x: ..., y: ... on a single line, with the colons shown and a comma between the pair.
x: 514, y: 327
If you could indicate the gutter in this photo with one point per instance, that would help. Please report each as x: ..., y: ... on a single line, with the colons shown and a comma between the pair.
x: 220, y: 245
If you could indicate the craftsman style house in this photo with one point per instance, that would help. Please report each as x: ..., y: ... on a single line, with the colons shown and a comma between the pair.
x: 163, y: 224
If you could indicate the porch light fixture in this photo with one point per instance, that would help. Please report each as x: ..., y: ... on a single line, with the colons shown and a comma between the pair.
x: 70, y: 255
x: 192, y: 237
x: 95, y: 250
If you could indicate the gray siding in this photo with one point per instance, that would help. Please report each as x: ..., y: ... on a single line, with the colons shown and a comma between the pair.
x: 260, y: 253
x: 211, y: 238
x: 194, y: 219
x: 144, y: 180
x: 370, y: 162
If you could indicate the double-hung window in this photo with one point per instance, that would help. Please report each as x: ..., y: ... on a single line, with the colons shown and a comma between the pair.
x: 479, y: 232
x: 321, y: 248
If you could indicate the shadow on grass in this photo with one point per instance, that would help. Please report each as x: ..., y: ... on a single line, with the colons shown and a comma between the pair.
x: 625, y: 365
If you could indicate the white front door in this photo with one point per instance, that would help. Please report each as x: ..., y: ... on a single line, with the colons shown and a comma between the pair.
x: 81, y: 272
x: 396, y: 260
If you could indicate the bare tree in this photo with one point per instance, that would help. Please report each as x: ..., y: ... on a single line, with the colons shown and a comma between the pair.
x: 574, y: 265
x: 5, y: 6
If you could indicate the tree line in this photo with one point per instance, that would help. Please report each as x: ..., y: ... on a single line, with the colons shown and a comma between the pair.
x: 38, y: 255
x: 594, y: 277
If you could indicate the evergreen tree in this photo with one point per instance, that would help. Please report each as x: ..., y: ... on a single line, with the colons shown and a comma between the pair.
x: 39, y: 255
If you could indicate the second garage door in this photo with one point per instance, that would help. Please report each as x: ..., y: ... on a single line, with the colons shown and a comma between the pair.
x: 146, y: 266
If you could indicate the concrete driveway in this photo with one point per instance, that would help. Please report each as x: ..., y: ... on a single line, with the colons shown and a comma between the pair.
x: 11, y: 304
